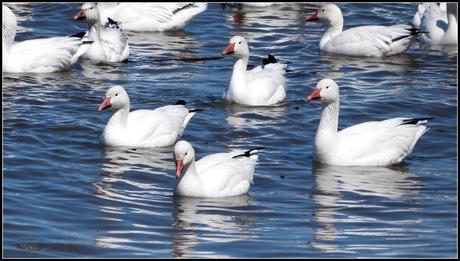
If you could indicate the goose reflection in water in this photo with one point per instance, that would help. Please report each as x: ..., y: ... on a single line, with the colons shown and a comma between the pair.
x: 242, y: 117
x: 269, y: 14
x: 213, y: 220
x: 340, y: 188
x: 147, y: 160
x: 397, y: 63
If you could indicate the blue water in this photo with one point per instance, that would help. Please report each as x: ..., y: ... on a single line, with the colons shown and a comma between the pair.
x: 65, y: 195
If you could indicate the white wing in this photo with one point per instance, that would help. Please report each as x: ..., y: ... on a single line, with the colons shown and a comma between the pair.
x: 372, y: 40
x: 43, y: 55
x: 387, y: 141
x: 151, y: 16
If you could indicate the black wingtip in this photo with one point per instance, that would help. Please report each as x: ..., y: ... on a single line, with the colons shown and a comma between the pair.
x: 182, y: 8
x: 180, y: 102
x: 248, y: 153
x: 111, y: 21
x: 270, y: 59
x: 195, y: 110
x: 78, y: 35
x: 414, y: 121
x: 412, y: 32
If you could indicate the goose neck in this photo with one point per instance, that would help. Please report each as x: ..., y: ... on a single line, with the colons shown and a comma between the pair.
x: 329, y: 118
x: 239, y: 72
x: 241, y: 64
x: 334, y: 28
x: 8, y: 35
x: 94, y: 31
x: 119, y: 117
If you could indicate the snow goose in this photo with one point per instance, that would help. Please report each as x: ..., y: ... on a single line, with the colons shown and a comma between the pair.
x: 216, y: 175
x: 142, y: 128
x: 374, y: 143
x: 38, y: 55
x: 362, y: 40
x: 260, y: 86
x: 110, y: 44
x: 441, y: 26
x: 150, y: 17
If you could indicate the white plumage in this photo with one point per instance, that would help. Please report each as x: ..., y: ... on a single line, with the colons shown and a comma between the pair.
x: 259, y: 86
x: 38, y: 55
x: 375, y: 143
x: 362, y: 40
x: 142, y: 128
x: 439, y: 24
x: 109, y: 43
x: 150, y: 16
x: 216, y: 175
x: 421, y: 9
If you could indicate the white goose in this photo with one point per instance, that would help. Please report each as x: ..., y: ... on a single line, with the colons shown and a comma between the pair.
x: 110, y: 44
x: 362, y: 40
x: 142, y: 128
x: 374, y: 143
x: 216, y: 175
x: 441, y: 26
x: 35, y: 56
x: 150, y: 17
x: 257, y: 87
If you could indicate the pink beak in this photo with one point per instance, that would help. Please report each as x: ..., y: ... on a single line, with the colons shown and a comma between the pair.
x: 229, y: 49
x: 179, y: 167
x: 315, y: 94
x: 313, y: 17
x: 105, y: 104
x: 80, y: 15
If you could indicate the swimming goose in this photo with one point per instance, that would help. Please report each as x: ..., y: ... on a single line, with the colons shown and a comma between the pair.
x: 142, y: 128
x: 441, y: 26
x: 216, y: 175
x: 38, y: 55
x: 150, y: 17
x: 260, y: 86
x: 362, y: 40
x: 374, y: 143
x: 110, y: 44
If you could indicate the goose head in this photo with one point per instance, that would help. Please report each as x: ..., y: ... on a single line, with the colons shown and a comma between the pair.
x: 327, y: 91
x: 88, y: 12
x: 185, y: 155
x: 329, y: 13
x: 115, y: 98
x: 237, y: 46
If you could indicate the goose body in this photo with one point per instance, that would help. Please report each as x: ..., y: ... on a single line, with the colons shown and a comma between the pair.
x: 109, y: 43
x: 216, y: 175
x: 150, y: 16
x: 362, y: 40
x: 142, y: 128
x: 257, y: 87
x: 44, y: 55
x: 375, y: 143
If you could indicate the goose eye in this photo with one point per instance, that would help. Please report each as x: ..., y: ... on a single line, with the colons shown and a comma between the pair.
x: 327, y: 87
x: 322, y: 10
x: 116, y: 94
x: 239, y: 43
x: 186, y: 153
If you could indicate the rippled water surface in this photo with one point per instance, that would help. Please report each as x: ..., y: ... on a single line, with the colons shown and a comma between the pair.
x: 65, y: 195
